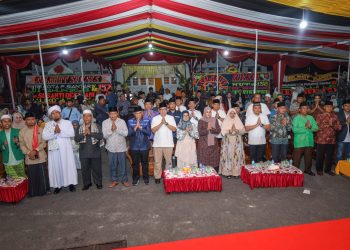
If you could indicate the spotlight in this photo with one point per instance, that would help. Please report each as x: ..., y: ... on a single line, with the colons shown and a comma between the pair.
x: 65, y: 52
x: 303, y: 24
x: 226, y: 52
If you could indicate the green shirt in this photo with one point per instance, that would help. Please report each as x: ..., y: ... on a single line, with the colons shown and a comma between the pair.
x: 11, y: 152
x: 12, y: 160
x: 303, y: 137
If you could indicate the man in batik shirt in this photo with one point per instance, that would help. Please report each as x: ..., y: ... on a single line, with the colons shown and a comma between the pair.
x: 328, y: 124
x: 280, y: 127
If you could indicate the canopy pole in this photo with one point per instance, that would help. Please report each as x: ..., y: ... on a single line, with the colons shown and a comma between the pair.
x: 256, y: 59
x: 279, y: 75
x: 10, y: 84
x: 348, y: 78
x: 217, y: 72
x: 338, y: 78
x: 82, y: 75
x: 42, y: 69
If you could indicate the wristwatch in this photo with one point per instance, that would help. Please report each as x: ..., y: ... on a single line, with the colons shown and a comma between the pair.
x: 166, y: 123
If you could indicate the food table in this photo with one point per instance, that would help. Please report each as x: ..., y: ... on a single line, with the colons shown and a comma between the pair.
x: 343, y: 167
x: 13, y: 190
x: 192, y: 180
x: 262, y: 176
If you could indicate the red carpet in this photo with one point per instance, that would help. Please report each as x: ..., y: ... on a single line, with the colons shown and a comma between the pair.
x: 330, y: 235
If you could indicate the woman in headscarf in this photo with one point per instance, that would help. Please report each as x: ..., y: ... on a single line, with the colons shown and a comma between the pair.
x: 232, y: 151
x: 186, y: 134
x: 208, y: 150
x: 18, y: 121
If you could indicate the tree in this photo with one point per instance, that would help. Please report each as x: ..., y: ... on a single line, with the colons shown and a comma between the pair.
x: 185, y: 84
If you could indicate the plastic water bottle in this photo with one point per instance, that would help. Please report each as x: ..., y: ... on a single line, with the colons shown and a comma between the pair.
x: 170, y: 168
x: 290, y: 162
x: 253, y: 163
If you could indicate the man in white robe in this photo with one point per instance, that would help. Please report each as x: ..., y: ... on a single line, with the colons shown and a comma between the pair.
x: 62, y: 169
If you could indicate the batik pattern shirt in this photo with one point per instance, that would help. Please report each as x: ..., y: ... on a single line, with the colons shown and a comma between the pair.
x: 279, y: 132
x: 328, y: 125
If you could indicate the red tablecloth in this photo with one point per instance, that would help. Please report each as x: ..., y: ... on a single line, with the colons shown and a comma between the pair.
x: 261, y: 177
x: 199, y: 183
x: 14, y: 193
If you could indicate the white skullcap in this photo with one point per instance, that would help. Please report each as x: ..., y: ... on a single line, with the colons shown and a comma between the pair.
x: 268, y: 95
x: 3, y: 117
x: 87, y: 111
x: 53, y: 108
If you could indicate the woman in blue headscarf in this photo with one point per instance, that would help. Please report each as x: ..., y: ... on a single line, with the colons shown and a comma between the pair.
x: 186, y: 134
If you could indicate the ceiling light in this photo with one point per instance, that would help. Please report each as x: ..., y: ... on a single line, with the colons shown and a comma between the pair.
x: 65, y: 52
x: 150, y: 45
x: 303, y: 24
x: 226, y: 53
x: 151, y: 53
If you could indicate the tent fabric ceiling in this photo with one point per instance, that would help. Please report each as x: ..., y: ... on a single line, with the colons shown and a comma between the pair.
x: 331, y: 7
x: 118, y: 30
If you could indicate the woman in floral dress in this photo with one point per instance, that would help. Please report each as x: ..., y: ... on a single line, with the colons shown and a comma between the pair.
x: 232, y: 152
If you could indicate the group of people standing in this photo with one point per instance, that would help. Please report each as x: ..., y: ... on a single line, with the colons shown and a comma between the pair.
x: 204, y: 132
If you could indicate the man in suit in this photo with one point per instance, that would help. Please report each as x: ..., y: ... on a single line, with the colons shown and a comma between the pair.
x: 343, y: 136
x: 229, y: 100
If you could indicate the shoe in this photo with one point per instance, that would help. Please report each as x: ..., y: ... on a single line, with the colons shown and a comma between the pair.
x: 331, y: 173
x: 126, y: 184
x: 146, y: 182
x: 57, y: 190
x: 72, y: 188
x: 135, y: 182
x: 229, y: 177
x: 319, y: 173
x: 157, y: 181
x: 99, y: 186
x: 113, y: 184
x: 87, y: 187
x: 236, y: 177
x: 310, y: 173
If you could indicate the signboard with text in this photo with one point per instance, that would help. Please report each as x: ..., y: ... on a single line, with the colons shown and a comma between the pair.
x: 233, y: 82
x: 67, y: 86
x: 312, y: 84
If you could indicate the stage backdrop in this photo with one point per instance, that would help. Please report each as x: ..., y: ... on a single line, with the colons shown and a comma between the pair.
x: 232, y: 82
x: 312, y: 84
x: 67, y: 86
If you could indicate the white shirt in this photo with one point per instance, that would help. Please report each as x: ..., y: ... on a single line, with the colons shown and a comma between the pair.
x: 257, y: 135
x: 222, y: 114
x: 196, y: 117
x: 181, y: 108
x: 264, y: 109
x: 229, y: 103
x: 141, y: 103
x: 167, y: 96
x: 347, y: 137
x: 163, y: 138
x: 115, y: 140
